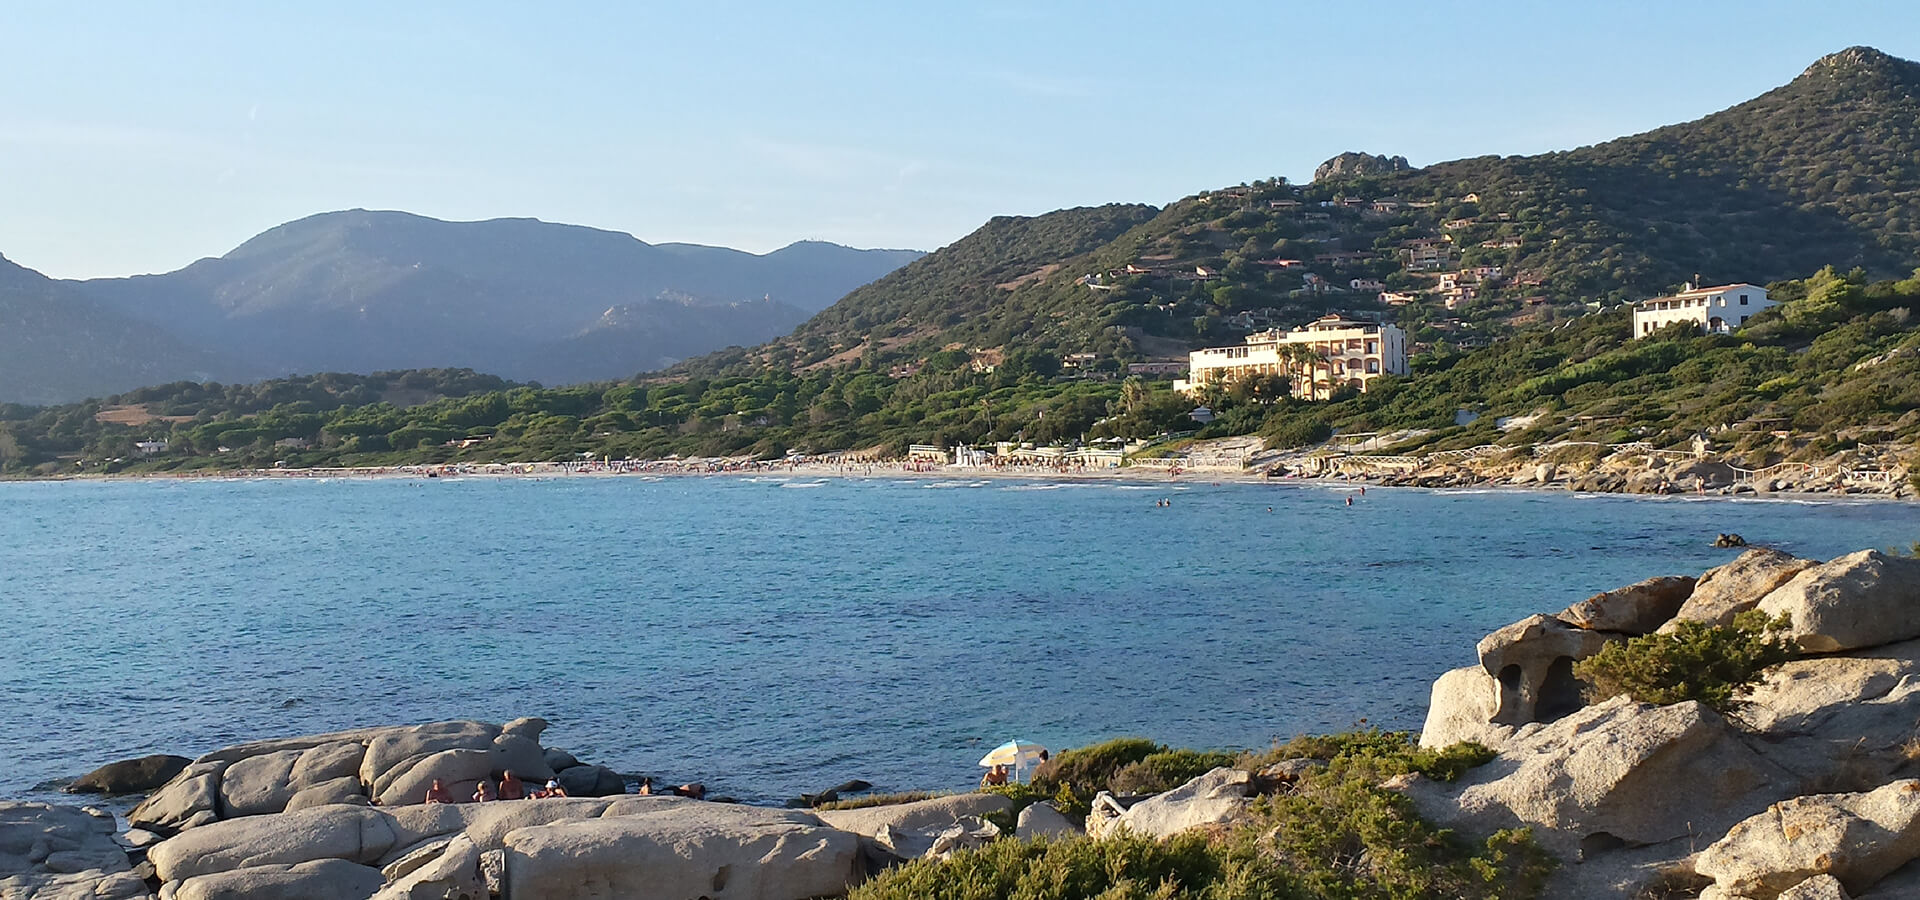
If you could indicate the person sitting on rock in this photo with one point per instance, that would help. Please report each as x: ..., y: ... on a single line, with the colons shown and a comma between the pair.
x: 646, y: 784
x: 511, y: 787
x: 484, y: 792
x: 553, y: 789
x: 438, y: 793
x: 995, y: 776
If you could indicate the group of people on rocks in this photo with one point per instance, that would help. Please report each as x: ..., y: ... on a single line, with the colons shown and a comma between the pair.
x: 512, y: 788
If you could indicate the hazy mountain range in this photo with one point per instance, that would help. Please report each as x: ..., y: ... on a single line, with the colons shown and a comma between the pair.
x: 362, y: 291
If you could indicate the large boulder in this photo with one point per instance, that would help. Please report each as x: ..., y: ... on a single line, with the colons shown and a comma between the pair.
x: 321, y: 879
x: 936, y: 814
x: 1725, y: 591
x: 190, y: 798
x: 1615, y: 774
x: 1863, y: 599
x: 1841, y: 723
x: 1462, y: 708
x: 684, y: 852
x: 1044, y: 820
x: 451, y: 870
x: 130, y: 776
x: 258, y: 785
x: 1532, y: 659
x: 38, y: 838
x: 1221, y: 796
x: 591, y: 781
x: 345, y: 789
x: 354, y: 833
x: 1636, y: 609
x: 391, y: 752
x: 1819, y: 887
x: 1856, y: 838
x: 459, y: 771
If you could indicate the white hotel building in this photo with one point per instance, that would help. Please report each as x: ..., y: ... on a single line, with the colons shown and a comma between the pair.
x: 1717, y: 310
x: 1347, y: 354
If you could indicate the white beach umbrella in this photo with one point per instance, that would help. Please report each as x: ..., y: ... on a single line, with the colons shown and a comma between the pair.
x: 1014, y: 753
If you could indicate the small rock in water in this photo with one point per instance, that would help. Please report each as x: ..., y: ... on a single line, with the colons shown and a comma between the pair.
x: 129, y: 776
x: 1729, y: 540
x: 291, y: 702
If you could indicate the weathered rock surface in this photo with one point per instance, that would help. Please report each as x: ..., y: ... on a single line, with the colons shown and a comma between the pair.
x: 451, y: 871
x: 192, y: 797
x: 1725, y: 591
x: 932, y: 815
x: 1617, y: 773
x: 1218, y: 797
x: 591, y: 781
x: 51, y: 852
x: 1043, y: 820
x: 1819, y: 887
x: 684, y: 852
x: 1860, y: 600
x: 130, y: 776
x: 258, y: 784
x: 1532, y: 660
x: 1636, y: 609
x: 345, y: 789
x: 353, y: 833
x: 1856, y: 838
x: 1462, y: 708
x: 323, y: 879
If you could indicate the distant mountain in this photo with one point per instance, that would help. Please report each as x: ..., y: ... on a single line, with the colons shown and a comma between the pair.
x: 58, y: 345
x: 362, y: 291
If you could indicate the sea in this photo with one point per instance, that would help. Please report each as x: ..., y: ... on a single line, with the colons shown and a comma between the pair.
x: 772, y: 636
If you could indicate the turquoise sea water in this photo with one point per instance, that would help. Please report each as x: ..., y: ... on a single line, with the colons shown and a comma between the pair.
x: 773, y: 636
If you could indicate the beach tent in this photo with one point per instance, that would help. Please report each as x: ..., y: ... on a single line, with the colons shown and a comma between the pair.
x: 1022, y: 756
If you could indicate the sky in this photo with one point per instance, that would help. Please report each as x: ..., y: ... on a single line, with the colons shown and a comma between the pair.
x: 140, y: 136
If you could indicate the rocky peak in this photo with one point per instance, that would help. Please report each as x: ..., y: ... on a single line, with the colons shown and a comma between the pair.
x: 1860, y: 62
x: 1351, y: 165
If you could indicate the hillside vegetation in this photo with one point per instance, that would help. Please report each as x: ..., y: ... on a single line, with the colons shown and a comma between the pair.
x: 1836, y: 366
x: 1819, y: 171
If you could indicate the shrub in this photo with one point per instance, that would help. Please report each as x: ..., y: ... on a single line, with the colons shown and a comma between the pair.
x: 1092, y: 768
x: 1166, y: 770
x: 1715, y: 665
x: 1336, y: 834
x: 872, y: 800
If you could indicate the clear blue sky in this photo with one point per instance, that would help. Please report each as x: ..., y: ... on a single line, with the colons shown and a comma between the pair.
x: 139, y: 136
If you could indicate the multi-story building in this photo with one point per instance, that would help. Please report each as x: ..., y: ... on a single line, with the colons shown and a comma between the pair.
x: 1322, y: 357
x: 1717, y: 310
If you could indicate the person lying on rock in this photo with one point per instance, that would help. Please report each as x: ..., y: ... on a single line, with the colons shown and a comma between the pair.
x: 695, y: 790
x: 484, y: 792
x: 438, y: 793
x: 511, y: 787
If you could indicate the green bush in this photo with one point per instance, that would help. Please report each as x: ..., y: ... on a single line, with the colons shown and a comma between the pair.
x: 1335, y: 834
x: 871, y: 800
x: 1091, y: 768
x: 1166, y: 770
x: 1713, y: 664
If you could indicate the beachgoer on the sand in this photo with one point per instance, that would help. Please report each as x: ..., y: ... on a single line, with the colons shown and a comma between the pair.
x: 438, y: 793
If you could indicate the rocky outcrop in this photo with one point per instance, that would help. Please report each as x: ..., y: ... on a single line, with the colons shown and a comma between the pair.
x: 1352, y: 165
x: 694, y: 850
x: 1462, y: 707
x: 131, y: 776
x: 1725, y: 591
x: 1219, y: 797
x: 1043, y: 820
x: 1636, y: 609
x: 323, y: 879
x: 62, y: 852
x: 1617, y: 774
x: 1863, y: 599
x: 922, y: 828
x: 1856, y: 838
x: 1532, y: 662
x: 392, y: 766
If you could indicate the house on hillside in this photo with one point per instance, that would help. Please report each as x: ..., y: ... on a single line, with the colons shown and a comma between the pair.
x: 1367, y: 284
x: 149, y: 448
x: 1717, y: 310
x: 1397, y: 298
x: 1338, y: 353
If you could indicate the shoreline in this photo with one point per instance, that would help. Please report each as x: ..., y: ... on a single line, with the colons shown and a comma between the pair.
x: 662, y: 469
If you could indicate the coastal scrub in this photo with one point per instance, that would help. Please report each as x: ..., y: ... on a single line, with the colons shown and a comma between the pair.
x: 1714, y: 664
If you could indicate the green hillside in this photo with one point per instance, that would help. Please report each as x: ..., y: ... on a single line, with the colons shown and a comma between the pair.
x: 1822, y: 171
